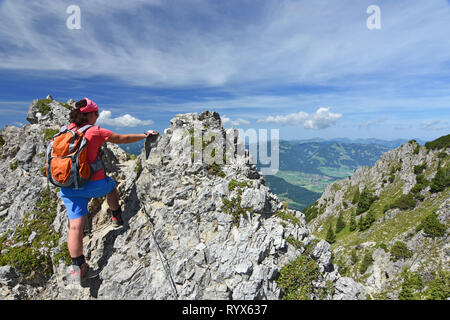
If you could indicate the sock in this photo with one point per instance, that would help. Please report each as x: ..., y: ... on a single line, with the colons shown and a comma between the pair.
x: 117, y: 212
x: 78, y: 261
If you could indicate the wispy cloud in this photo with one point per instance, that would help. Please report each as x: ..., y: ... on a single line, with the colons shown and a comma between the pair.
x: 105, y: 118
x: 403, y: 127
x: 321, y: 119
x: 435, y: 124
x: 16, y: 107
x: 279, y: 42
x: 251, y: 57
x: 372, y: 122
x: 227, y: 121
x: 430, y: 123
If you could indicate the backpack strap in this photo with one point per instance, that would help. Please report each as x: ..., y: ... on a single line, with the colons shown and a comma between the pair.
x: 72, y: 141
x: 84, y: 128
x: 98, y: 164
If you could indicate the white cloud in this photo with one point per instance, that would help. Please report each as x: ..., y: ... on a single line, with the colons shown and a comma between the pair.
x: 122, y: 121
x: 227, y: 121
x: 290, y: 119
x: 320, y: 119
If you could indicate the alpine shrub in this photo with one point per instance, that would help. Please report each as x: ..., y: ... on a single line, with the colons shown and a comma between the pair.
x: 405, y: 202
x: 340, y: 224
x: 418, y: 169
x: 441, y: 180
x: 353, y: 222
x: 400, y: 251
x: 367, y: 261
x: 432, y: 227
x: 331, y: 237
x: 412, y: 282
x: 296, y: 278
x: 439, y: 288
x: 365, y: 201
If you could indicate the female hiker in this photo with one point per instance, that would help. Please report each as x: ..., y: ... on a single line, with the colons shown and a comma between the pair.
x: 99, y: 185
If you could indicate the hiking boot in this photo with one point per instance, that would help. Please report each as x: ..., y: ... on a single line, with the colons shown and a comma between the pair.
x: 81, y: 273
x: 117, y: 220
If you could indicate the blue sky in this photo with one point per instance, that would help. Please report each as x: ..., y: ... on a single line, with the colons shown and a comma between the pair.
x: 309, y: 68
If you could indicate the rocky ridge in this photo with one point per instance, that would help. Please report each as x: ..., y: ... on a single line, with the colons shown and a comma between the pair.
x: 394, y: 245
x: 193, y: 229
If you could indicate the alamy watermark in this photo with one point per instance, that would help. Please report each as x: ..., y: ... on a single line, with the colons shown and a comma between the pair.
x: 74, y: 20
x: 219, y: 148
x: 374, y: 20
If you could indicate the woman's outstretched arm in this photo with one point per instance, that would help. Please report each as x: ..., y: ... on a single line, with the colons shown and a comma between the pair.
x: 129, y: 138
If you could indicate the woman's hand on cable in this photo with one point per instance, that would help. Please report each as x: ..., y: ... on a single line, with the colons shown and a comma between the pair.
x: 151, y: 133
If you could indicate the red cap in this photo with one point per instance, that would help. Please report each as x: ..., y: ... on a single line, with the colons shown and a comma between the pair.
x: 90, y: 107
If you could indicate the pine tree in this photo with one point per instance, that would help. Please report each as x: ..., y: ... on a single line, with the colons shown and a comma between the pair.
x: 370, y: 218
x: 340, y: 224
x: 355, y: 199
x: 331, y: 237
x: 353, y: 222
x: 432, y: 226
x: 366, y: 198
x: 440, y: 181
x: 366, y: 222
x: 354, y: 257
x: 361, y: 223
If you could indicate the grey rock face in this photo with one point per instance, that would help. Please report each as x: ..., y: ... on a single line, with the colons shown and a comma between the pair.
x: 8, y: 276
x: 56, y: 116
x: 178, y: 239
x: 348, y: 289
x: 208, y: 256
x: 254, y: 199
x: 322, y: 253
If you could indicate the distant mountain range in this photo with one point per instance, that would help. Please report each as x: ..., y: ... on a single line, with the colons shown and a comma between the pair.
x: 335, y: 159
x: 136, y: 147
x: 133, y: 148
x: 307, y: 168
x: 387, y: 143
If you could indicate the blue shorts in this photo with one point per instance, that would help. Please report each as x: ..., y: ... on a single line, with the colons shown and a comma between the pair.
x: 76, y: 200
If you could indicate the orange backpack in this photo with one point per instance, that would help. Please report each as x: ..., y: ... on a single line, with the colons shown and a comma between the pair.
x: 66, y: 161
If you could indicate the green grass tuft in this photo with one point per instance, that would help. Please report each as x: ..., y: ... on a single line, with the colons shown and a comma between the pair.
x: 43, y: 106
x: 31, y: 257
x: 296, y: 278
x: 49, y: 133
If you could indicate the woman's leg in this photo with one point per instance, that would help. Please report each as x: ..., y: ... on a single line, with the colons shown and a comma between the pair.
x: 75, y: 236
x: 113, y: 203
x: 113, y: 200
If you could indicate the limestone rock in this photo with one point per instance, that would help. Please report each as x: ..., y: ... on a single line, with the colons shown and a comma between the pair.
x: 178, y: 240
x: 348, y: 289
x: 322, y: 253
